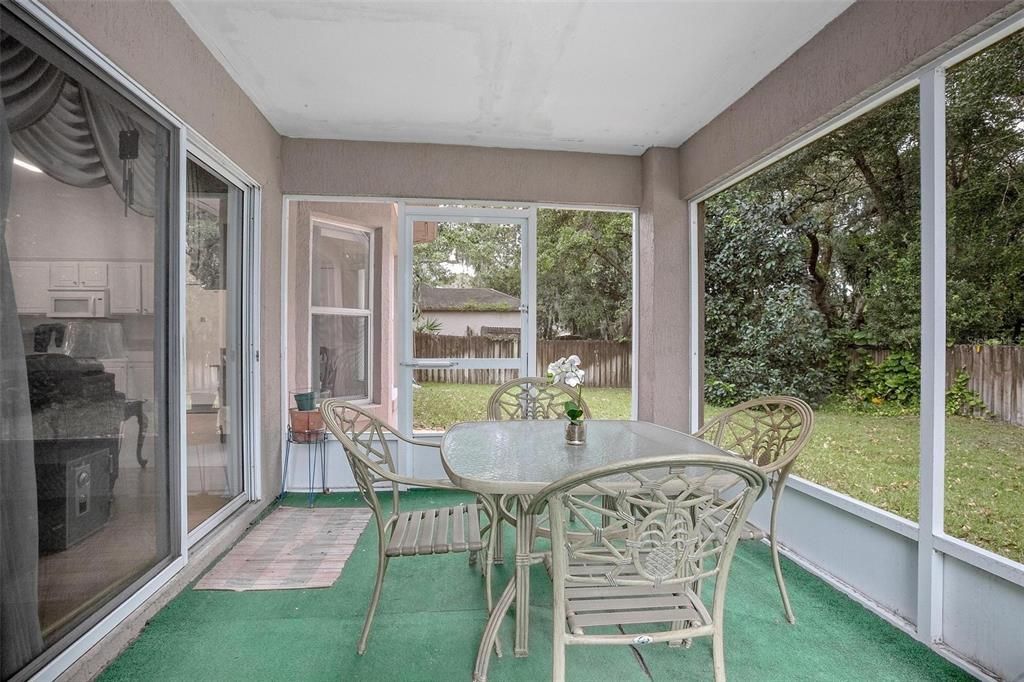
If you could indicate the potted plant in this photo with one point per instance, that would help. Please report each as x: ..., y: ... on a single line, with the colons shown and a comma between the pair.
x: 568, y: 371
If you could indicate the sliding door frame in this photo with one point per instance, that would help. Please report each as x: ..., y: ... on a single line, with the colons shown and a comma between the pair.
x: 246, y: 414
x: 183, y: 140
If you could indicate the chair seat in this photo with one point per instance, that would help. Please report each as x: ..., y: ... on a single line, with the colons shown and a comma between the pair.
x: 436, y: 531
x: 607, y: 605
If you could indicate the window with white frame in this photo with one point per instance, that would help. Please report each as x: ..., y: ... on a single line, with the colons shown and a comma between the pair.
x: 341, y: 311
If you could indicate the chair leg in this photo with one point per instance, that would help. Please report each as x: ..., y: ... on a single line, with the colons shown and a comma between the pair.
x: 777, y: 565
x: 382, y: 566
x: 498, y: 556
x: 718, y: 653
x: 490, y: 638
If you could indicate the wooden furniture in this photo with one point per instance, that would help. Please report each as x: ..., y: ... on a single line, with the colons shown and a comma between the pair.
x: 770, y: 433
x: 646, y: 534
x: 365, y: 440
x: 519, y: 459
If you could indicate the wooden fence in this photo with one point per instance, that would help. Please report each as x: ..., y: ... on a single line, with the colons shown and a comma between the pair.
x: 996, y: 374
x: 608, y: 364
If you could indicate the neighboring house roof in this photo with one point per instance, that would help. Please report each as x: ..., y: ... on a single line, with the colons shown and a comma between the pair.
x: 439, y: 299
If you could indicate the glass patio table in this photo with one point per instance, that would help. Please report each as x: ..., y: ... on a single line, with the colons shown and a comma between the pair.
x: 514, y: 458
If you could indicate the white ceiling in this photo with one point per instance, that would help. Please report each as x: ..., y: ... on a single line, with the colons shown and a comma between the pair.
x: 615, y: 77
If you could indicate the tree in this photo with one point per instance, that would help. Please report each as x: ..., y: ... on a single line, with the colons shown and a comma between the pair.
x: 584, y: 274
x: 841, y: 220
x: 584, y: 268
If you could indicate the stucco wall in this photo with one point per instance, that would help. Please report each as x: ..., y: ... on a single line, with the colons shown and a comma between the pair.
x: 454, y: 323
x: 382, y: 217
x: 867, y: 47
x: 388, y: 169
x: 662, y: 362
x: 153, y: 44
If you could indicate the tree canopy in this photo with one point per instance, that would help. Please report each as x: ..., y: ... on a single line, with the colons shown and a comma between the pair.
x: 584, y: 268
x: 821, y: 251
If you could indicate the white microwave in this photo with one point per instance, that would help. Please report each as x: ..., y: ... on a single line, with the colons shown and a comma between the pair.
x: 78, y: 303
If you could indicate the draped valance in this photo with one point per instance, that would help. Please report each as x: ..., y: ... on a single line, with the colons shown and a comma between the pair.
x: 71, y: 133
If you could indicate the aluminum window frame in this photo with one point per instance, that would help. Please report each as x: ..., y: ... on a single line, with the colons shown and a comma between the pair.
x: 933, y: 542
x: 370, y: 313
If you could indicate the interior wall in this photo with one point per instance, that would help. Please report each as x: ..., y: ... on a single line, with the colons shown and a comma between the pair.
x: 867, y: 47
x: 50, y: 220
x: 153, y: 44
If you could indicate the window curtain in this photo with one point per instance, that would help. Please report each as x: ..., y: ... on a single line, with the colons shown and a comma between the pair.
x: 20, y: 637
x: 71, y: 133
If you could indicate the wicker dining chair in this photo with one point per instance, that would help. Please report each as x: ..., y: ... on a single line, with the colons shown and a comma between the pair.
x: 518, y: 400
x: 532, y: 398
x: 638, y: 562
x: 770, y: 433
x: 414, y: 533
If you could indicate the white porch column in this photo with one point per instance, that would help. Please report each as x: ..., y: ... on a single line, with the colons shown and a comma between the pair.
x: 662, y: 362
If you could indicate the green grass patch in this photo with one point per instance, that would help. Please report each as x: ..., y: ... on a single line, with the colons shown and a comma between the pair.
x: 871, y: 457
x: 438, y: 406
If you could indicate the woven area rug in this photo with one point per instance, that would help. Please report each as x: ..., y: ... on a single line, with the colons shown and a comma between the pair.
x: 292, y: 548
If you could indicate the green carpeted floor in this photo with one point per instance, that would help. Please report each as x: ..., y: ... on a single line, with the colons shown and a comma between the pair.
x: 431, y: 618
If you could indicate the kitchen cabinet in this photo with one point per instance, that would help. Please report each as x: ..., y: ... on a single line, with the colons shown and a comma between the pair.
x: 125, y: 287
x: 80, y: 275
x: 92, y: 275
x: 31, y: 281
x: 147, y: 289
x: 130, y: 285
x: 63, y: 275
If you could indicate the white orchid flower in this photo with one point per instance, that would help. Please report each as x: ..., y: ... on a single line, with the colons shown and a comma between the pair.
x: 567, y: 371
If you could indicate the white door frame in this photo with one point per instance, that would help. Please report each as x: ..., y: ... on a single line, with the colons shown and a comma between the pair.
x: 526, y: 219
x: 247, y: 414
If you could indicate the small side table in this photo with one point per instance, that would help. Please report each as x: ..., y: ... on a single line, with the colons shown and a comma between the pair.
x: 317, y: 440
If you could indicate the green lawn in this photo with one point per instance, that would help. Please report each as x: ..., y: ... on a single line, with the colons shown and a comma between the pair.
x: 870, y: 457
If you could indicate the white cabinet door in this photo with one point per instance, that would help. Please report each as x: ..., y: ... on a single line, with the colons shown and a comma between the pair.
x: 147, y: 289
x: 31, y: 282
x: 125, y: 287
x: 92, y: 275
x: 63, y: 275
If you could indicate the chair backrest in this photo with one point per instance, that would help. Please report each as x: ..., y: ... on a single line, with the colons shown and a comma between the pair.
x: 769, y: 432
x: 363, y: 437
x: 659, y: 521
x: 532, y: 398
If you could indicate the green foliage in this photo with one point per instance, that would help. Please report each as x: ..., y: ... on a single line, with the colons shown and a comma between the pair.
x: 762, y: 334
x: 573, y: 411
x: 584, y: 274
x: 427, y: 325
x: 720, y: 393
x: 895, y: 382
x: 961, y: 400
x: 584, y: 268
x: 825, y: 244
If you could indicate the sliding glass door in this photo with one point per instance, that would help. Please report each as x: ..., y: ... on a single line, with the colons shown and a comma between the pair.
x: 215, y: 219
x: 88, y: 346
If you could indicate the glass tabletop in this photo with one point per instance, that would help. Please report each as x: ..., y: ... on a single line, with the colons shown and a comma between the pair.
x: 521, y: 457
